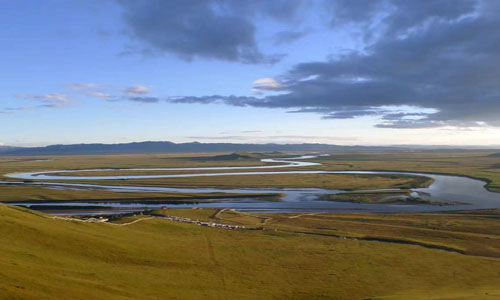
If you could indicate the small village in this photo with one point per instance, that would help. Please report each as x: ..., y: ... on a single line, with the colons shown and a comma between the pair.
x: 202, y: 223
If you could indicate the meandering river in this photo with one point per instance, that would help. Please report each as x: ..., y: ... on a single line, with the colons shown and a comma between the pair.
x: 454, y: 192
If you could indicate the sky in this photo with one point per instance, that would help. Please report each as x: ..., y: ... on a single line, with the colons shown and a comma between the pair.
x: 349, y: 72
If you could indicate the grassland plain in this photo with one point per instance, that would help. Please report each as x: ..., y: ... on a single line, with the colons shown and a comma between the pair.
x: 330, y: 181
x: 46, y: 258
x: 327, y: 181
x: 475, y: 164
x: 468, y: 163
x: 399, y: 196
x: 26, y: 193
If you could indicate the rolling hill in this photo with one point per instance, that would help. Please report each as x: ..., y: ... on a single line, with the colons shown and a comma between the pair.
x: 170, y: 147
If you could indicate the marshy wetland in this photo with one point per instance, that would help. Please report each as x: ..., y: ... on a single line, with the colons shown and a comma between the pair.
x: 258, y: 182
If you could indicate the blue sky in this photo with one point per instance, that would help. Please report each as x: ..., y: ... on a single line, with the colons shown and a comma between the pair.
x: 292, y: 71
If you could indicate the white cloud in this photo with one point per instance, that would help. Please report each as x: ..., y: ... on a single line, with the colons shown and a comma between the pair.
x: 266, y: 84
x: 137, y: 90
x: 22, y: 108
x: 49, y: 100
x: 96, y: 94
x: 56, y: 97
x: 95, y: 90
x: 83, y: 86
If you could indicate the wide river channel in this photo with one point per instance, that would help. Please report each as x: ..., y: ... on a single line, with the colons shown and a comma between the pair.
x: 453, y: 192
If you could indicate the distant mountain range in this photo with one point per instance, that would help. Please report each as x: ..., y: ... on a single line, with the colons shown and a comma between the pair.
x: 169, y: 147
x: 4, y: 149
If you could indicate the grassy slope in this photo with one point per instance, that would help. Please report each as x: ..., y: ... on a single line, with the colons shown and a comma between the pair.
x: 42, y: 258
x: 473, y: 232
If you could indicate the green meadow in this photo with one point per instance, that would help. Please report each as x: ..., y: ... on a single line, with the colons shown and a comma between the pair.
x: 296, y: 257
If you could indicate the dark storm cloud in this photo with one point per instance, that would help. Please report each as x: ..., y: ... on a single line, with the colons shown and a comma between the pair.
x: 342, y: 113
x: 144, y: 99
x: 221, y: 29
x: 440, y: 57
x: 229, y: 100
x: 398, y: 15
x: 408, y: 13
x: 352, y: 11
x: 280, y: 10
x: 288, y: 36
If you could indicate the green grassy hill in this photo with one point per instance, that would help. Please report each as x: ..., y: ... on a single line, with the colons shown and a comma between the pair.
x: 45, y: 258
x: 231, y: 156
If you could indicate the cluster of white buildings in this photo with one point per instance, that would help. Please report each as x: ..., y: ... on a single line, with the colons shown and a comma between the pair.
x: 202, y: 223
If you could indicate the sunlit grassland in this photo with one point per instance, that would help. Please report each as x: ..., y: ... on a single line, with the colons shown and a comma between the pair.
x: 43, y: 258
x: 471, y: 232
x: 9, y: 164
